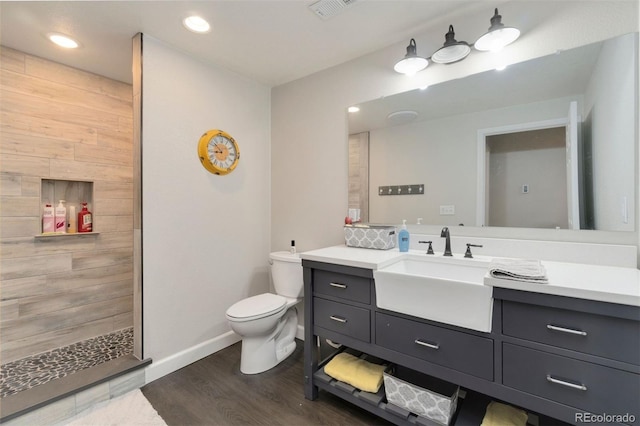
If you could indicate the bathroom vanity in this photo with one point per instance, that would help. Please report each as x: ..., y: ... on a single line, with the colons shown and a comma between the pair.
x: 568, y: 349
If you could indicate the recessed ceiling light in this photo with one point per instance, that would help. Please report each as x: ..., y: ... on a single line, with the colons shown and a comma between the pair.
x: 353, y: 109
x: 63, y: 40
x: 196, y: 24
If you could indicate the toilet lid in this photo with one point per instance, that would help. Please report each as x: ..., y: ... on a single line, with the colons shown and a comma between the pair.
x: 258, y: 306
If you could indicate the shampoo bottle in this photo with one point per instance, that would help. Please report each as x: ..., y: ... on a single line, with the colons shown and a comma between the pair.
x: 48, y: 219
x: 293, y: 247
x: 72, y: 225
x: 403, y: 237
x: 61, y: 218
x: 85, y: 220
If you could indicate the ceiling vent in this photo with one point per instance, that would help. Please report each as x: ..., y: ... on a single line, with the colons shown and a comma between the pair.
x: 401, y: 117
x: 326, y: 9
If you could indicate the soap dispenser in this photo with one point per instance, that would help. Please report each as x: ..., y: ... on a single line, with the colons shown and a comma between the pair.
x: 403, y: 237
x: 61, y: 218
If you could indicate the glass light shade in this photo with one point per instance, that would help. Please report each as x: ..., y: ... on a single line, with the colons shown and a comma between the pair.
x: 498, y: 35
x: 410, y: 66
x: 452, y: 51
x: 411, y: 63
x: 497, y: 39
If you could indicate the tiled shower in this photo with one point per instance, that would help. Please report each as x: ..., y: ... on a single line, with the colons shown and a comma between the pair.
x: 66, y: 301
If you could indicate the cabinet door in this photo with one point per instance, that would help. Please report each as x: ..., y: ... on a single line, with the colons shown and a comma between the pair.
x: 580, y: 384
x: 454, y: 349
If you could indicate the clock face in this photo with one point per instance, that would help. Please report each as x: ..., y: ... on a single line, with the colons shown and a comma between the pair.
x: 218, y: 152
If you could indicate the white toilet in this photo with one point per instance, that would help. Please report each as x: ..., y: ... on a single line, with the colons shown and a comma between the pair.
x: 268, y: 322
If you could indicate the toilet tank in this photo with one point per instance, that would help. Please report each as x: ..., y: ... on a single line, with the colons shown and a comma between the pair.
x: 286, y: 272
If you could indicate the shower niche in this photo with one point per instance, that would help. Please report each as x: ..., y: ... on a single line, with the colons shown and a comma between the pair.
x: 74, y: 193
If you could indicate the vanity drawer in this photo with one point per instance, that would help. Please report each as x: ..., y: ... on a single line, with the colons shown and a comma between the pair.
x: 608, y: 337
x: 341, y: 318
x: 454, y: 349
x: 579, y: 384
x: 343, y: 286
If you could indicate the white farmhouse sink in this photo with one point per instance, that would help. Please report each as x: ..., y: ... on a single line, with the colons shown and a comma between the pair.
x: 437, y: 288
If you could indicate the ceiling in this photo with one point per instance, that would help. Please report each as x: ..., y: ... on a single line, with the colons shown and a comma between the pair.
x: 270, y: 41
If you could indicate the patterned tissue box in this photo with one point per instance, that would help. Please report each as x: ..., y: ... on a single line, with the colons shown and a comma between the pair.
x: 422, y: 395
x: 370, y: 236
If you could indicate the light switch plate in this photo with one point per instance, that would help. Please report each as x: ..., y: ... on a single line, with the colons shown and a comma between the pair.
x: 447, y: 210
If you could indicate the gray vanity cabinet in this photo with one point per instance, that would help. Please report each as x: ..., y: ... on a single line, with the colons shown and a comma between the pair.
x: 556, y: 356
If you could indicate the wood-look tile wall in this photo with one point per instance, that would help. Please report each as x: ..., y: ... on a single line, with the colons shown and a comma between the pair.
x: 58, y: 122
x: 359, y: 174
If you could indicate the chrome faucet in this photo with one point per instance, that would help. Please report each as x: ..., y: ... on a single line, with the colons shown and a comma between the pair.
x: 447, y: 246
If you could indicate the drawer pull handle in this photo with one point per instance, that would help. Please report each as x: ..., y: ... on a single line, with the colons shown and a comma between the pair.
x: 338, y: 285
x: 566, y: 330
x: 567, y: 384
x: 428, y: 345
x: 335, y: 318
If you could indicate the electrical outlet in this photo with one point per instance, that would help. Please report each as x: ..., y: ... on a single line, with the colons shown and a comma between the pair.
x: 447, y: 210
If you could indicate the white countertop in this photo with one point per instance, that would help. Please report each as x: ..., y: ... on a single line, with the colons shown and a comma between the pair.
x: 352, y: 256
x: 592, y: 282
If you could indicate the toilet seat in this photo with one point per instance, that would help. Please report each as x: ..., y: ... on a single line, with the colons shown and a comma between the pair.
x: 255, y: 307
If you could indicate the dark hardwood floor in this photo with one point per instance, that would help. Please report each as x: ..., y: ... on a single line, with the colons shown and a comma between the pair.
x: 213, y: 391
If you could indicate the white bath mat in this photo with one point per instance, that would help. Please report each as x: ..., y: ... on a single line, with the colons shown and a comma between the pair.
x: 130, y: 409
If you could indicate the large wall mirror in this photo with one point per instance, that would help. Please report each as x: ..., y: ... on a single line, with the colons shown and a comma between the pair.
x: 547, y: 143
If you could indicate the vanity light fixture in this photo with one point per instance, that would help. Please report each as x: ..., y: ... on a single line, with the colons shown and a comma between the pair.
x: 498, y: 35
x: 196, y: 24
x: 63, y: 40
x: 353, y: 109
x: 452, y: 50
x: 411, y: 63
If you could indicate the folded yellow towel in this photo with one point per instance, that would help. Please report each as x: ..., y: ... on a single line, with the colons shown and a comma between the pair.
x: 357, y: 372
x: 503, y: 415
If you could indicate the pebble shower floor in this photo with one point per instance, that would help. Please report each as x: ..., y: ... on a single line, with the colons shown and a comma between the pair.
x: 39, y: 369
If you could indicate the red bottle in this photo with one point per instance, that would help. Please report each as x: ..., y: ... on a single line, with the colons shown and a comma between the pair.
x: 85, y: 220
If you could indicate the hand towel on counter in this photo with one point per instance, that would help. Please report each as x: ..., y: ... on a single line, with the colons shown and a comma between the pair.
x: 528, y: 270
x: 501, y: 414
x: 357, y: 372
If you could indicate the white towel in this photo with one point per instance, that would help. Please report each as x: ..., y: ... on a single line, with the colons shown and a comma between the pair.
x: 528, y: 270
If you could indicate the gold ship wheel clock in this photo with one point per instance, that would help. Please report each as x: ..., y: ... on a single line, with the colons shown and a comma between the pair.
x: 218, y: 152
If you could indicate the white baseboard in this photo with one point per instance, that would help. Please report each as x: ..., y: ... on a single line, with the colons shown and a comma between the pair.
x: 161, y: 368
x: 183, y: 358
